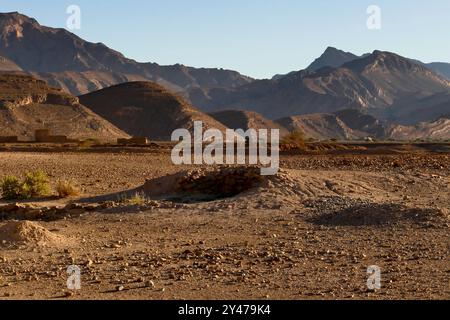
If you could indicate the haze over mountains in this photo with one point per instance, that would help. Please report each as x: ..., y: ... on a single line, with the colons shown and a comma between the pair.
x: 340, y: 95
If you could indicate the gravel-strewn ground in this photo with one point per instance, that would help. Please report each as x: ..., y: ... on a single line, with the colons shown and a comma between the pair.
x: 311, y: 234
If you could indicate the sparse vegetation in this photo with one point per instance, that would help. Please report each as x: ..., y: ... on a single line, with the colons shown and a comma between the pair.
x: 66, y: 189
x: 139, y: 198
x: 35, y: 184
x: 11, y: 188
x: 295, y: 139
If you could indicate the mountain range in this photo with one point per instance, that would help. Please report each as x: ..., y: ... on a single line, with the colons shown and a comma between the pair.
x: 340, y: 95
x: 64, y: 60
x: 382, y: 84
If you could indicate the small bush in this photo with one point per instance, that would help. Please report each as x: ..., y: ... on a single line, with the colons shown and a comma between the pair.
x: 295, y: 139
x: 11, y: 188
x: 137, y: 199
x: 66, y: 189
x: 36, y: 184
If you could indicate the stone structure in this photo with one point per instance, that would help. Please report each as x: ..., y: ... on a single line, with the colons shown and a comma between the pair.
x: 10, y: 139
x: 133, y: 141
x: 44, y: 136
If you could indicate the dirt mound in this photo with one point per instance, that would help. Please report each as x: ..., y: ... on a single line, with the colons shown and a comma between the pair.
x: 206, y: 184
x: 29, y: 233
x: 146, y: 109
x: 371, y: 214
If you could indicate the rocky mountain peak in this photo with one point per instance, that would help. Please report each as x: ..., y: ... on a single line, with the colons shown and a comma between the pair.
x: 332, y: 57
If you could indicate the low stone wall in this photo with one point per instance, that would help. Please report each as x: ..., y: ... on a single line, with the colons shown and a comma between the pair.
x: 56, y: 139
x: 43, y: 136
x: 135, y: 141
x: 11, y: 139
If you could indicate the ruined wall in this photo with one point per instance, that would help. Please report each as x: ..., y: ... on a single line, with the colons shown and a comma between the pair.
x: 135, y: 140
x: 10, y: 139
x: 43, y: 136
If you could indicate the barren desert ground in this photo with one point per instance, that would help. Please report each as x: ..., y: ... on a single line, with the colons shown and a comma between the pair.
x: 310, y: 232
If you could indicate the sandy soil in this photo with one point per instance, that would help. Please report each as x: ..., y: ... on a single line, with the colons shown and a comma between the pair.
x: 310, y: 233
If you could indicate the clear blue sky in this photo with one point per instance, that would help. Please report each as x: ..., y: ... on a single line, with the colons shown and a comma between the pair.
x: 259, y: 38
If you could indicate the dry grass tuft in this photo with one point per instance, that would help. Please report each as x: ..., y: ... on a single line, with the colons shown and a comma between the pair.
x: 66, y: 189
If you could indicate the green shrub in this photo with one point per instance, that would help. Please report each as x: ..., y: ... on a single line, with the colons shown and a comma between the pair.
x: 11, y: 188
x: 36, y: 184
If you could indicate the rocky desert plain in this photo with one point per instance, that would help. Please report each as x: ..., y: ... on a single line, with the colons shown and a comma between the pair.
x: 358, y: 210
x: 309, y: 232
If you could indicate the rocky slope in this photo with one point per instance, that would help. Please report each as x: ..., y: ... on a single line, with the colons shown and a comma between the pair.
x: 8, y: 66
x: 365, y: 125
x: 332, y: 57
x: 79, y: 66
x: 27, y: 104
x: 320, y: 126
x: 146, y: 109
x: 241, y: 119
x: 382, y: 84
x: 440, y: 68
x: 435, y: 130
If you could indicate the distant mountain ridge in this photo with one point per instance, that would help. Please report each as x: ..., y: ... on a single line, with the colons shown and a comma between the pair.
x: 340, y: 93
x: 67, y: 61
x: 332, y: 57
x: 382, y: 84
x: 440, y: 68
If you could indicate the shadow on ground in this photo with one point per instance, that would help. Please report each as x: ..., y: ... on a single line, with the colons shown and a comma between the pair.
x: 374, y: 214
